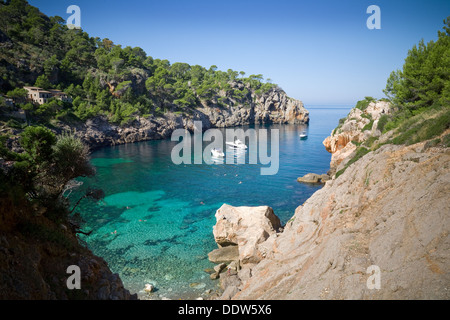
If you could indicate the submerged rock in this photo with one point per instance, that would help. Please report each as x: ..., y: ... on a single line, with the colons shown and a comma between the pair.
x: 214, y: 276
x: 196, y: 285
x: 149, y: 288
x: 314, y: 178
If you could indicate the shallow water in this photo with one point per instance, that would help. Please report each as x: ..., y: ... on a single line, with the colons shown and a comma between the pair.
x: 155, y: 223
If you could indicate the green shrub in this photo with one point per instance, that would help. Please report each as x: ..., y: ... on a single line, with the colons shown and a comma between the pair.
x: 339, y: 173
x: 71, y: 159
x: 123, y: 85
x: 37, y: 143
x: 13, y: 123
x: 432, y: 143
x: 360, y: 152
x: 384, y: 119
x: 419, y: 128
x: 363, y: 104
x: 424, y: 78
x: 446, y: 140
x: 368, y: 126
x: 397, y: 119
x: 341, y: 122
x: 369, y: 142
x: 390, y: 125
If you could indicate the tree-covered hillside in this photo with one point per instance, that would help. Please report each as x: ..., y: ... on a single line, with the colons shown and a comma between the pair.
x: 102, y: 77
x: 424, y: 80
x: 419, y: 97
x: 420, y: 92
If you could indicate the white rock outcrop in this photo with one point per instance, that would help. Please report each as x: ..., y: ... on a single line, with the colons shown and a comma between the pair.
x: 245, y: 227
x: 340, y: 145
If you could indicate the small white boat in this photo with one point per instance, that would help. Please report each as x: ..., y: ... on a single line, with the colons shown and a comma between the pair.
x: 237, y: 144
x: 218, y: 153
x: 303, y: 135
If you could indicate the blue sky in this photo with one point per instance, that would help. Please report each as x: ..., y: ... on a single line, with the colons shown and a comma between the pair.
x: 318, y: 51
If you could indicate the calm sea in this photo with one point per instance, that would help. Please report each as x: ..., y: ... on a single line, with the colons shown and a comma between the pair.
x: 155, y: 223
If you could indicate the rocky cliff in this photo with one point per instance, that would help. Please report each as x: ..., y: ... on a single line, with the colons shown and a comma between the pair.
x: 273, y: 107
x: 356, y: 128
x: 383, y: 220
x: 35, y: 253
x: 388, y: 210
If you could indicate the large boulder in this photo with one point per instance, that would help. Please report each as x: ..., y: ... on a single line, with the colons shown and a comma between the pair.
x: 246, y: 227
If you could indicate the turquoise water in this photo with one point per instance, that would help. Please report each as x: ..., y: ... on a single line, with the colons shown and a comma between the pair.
x: 155, y: 223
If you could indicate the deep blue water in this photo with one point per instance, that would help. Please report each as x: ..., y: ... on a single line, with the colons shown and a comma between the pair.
x: 155, y: 223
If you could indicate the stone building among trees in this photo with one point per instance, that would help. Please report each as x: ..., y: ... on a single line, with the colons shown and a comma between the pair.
x: 41, y: 96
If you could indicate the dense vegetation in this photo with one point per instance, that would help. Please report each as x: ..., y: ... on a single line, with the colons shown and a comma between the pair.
x: 42, y: 173
x: 423, y: 85
x: 102, y: 77
x: 420, y: 96
x: 425, y: 79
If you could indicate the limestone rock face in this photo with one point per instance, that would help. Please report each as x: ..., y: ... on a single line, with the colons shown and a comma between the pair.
x: 245, y: 227
x: 272, y: 107
x: 388, y: 210
x: 354, y: 128
x: 280, y: 109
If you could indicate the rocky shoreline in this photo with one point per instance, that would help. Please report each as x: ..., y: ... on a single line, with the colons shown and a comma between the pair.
x: 386, y: 211
x: 274, y: 107
x: 358, y: 127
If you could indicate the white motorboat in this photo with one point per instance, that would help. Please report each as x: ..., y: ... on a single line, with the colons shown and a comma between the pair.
x: 218, y: 153
x: 237, y: 144
x: 303, y: 135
